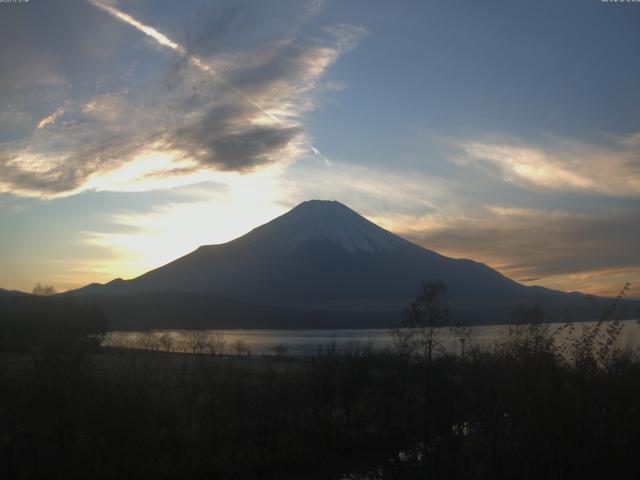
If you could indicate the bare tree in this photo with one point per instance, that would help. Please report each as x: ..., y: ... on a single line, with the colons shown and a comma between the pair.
x: 463, y: 333
x: 196, y: 341
x: 240, y: 347
x: 166, y: 341
x: 217, y: 343
x: 40, y: 289
x: 418, y: 333
x: 149, y: 341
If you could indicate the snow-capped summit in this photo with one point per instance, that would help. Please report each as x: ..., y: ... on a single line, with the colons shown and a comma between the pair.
x: 318, y: 252
x: 317, y: 220
x: 321, y: 256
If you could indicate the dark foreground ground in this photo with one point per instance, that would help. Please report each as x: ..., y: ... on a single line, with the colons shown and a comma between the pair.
x: 521, y: 411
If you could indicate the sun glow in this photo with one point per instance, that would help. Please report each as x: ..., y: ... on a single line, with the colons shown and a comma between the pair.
x: 530, y: 165
x: 147, y: 241
x: 154, y: 168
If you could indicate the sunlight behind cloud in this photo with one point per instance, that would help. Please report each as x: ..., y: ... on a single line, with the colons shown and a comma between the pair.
x: 155, y: 238
x: 48, y: 120
x: 529, y: 165
x: 215, y: 111
x: 145, y: 172
x: 563, y: 165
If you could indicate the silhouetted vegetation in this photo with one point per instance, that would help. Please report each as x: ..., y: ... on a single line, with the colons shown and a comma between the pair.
x: 40, y: 289
x: 530, y: 407
x: 425, y: 316
x: 46, y: 322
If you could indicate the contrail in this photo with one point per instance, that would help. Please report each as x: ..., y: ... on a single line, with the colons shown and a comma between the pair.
x: 165, y: 41
x: 156, y: 35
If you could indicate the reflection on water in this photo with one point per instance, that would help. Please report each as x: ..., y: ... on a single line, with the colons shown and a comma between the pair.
x: 306, y: 342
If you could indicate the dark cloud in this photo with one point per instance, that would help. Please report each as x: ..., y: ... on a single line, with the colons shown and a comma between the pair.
x: 83, y: 139
x: 222, y: 137
x: 536, y: 244
x: 48, y: 183
x: 229, y: 150
x: 86, y: 117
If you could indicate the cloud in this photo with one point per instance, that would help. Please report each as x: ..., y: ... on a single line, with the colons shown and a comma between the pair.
x: 142, y: 239
x: 550, y: 247
x: 74, y: 145
x: 197, y: 115
x: 557, y: 231
x: 147, y: 30
x: 50, y: 119
x: 380, y: 194
x: 562, y: 165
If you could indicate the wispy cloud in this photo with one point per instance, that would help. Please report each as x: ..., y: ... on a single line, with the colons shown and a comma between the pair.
x: 549, y: 243
x: 50, y: 119
x: 543, y: 247
x: 375, y: 192
x: 220, y: 112
x: 563, y: 165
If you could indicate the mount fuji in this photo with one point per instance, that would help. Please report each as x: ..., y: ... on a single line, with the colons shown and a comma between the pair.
x: 320, y: 264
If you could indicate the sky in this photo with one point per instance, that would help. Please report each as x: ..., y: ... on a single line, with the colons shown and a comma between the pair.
x: 508, y: 132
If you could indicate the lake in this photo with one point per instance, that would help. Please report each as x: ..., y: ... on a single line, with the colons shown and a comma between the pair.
x: 307, y: 342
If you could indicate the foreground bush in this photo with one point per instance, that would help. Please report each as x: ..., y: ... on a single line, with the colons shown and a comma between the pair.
x: 49, y: 323
x: 341, y: 414
x: 536, y: 406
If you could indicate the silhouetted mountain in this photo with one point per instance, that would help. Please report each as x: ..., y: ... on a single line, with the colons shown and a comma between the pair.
x: 323, y: 256
x: 8, y: 293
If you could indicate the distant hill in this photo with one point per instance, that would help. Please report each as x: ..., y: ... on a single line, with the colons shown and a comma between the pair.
x: 8, y: 293
x: 320, y: 263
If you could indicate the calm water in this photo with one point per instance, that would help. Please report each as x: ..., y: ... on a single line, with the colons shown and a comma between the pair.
x: 305, y: 342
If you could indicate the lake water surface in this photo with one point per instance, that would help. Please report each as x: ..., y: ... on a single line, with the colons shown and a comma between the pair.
x: 307, y: 342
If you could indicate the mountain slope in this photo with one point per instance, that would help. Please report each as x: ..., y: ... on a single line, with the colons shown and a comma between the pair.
x: 323, y: 256
x: 318, y: 252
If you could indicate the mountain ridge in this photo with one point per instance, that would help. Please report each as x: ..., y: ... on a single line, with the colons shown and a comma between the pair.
x: 325, y: 237
x: 323, y: 256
